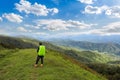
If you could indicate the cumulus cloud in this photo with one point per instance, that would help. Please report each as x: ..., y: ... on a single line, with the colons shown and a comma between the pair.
x: 78, y: 24
x: 58, y: 24
x: 32, y: 26
x: 1, y: 19
x: 86, y: 1
x: 113, y: 11
x: 53, y: 25
x: 95, y: 10
x: 36, y: 9
x: 22, y: 29
x: 13, y: 17
x: 54, y: 10
x: 110, y: 29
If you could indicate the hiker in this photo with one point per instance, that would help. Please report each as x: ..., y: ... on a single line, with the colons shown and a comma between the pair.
x: 41, y: 54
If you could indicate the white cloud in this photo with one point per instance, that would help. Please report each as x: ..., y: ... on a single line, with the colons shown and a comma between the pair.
x: 32, y: 26
x: 95, y: 10
x: 78, y: 24
x: 54, y: 25
x: 54, y: 10
x: 22, y: 29
x: 110, y: 29
x: 36, y: 9
x: 41, y: 33
x: 58, y: 24
x: 113, y: 11
x: 1, y: 19
x: 86, y: 1
x: 13, y: 17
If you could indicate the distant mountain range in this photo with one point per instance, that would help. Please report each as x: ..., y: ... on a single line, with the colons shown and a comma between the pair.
x: 112, y: 48
x: 89, y: 38
x: 97, y: 38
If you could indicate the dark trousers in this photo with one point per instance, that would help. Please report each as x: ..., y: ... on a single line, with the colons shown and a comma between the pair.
x: 39, y: 57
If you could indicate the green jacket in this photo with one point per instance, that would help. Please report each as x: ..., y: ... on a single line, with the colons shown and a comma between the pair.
x: 41, y: 50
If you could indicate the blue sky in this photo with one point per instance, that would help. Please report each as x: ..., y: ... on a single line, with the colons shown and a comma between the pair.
x: 60, y: 18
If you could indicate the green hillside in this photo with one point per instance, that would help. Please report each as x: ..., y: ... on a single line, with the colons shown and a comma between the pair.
x: 96, y: 57
x: 12, y: 42
x: 91, y: 56
x: 18, y: 64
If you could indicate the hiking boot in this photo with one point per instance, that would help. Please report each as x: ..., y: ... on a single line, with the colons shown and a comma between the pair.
x: 35, y: 65
x: 41, y: 65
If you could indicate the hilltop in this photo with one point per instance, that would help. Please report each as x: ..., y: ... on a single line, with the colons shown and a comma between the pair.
x: 99, y: 62
x: 18, y: 64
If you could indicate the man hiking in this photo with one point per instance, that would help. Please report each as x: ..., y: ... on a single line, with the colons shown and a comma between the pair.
x: 41, y: 54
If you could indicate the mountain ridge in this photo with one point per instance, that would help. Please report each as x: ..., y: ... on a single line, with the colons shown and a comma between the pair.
x: 112, y: 48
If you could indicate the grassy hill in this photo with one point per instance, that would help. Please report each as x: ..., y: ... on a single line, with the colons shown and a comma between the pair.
x: 95, y: 57
x: 12, y: 42
x: 18, y: 64
x: 91, y: 56
x: 61, y: 60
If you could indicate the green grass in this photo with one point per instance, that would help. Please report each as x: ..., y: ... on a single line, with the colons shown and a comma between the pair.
x: 93, y: 56
x: 96, y: 57
x: 18, y: 65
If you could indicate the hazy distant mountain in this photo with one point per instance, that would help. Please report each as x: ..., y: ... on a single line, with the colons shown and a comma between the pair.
x: 90, y: 38
x: 101, y: 47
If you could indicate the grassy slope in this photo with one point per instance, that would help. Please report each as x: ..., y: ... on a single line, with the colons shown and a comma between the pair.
x: 96, y: 57
x: 93, y: 56
x: 18, y: 65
